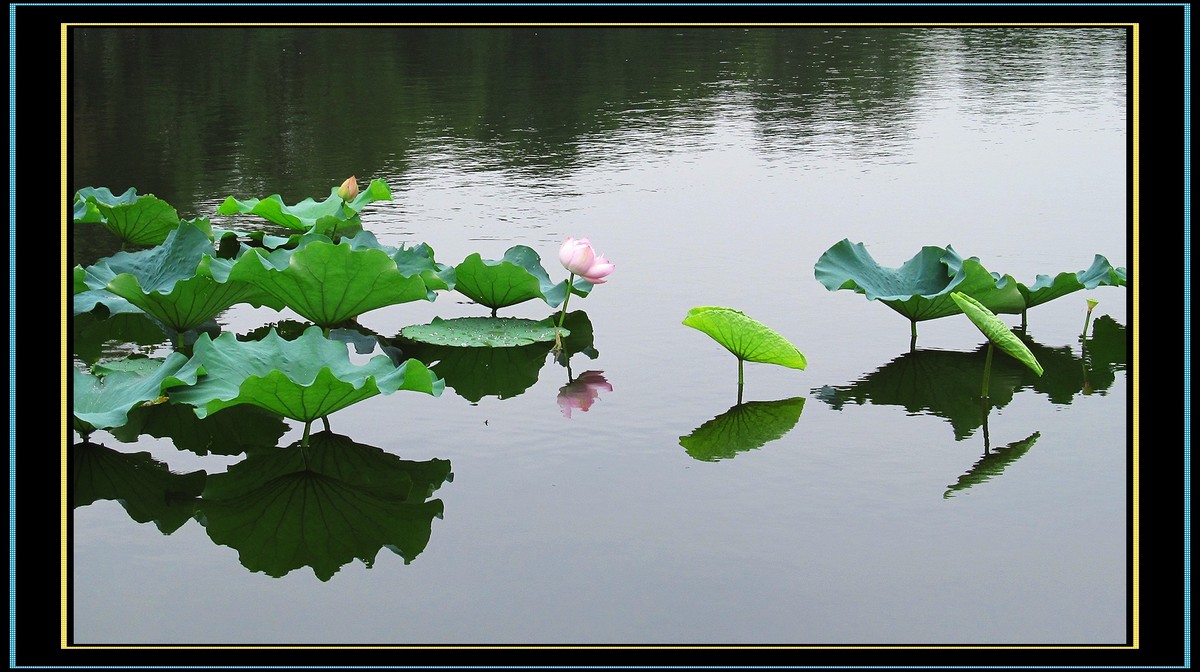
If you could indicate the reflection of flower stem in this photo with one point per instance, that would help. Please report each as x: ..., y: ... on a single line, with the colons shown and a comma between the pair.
x: 987, y: 370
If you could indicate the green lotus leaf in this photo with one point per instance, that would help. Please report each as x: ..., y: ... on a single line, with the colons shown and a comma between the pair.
x: 303, y: 379
x: 101, y: 402
x: 146, y: 488
x: 137, y: 220
x: 1045, y: 288
x: 744, y: 427
x: 996, y: 331
x: 341, y: 501
x: 309, y: 214
x: 516, y: 278
x: 91, y: 291
x: 748, y: 339
x: 482, y: 332
x: 919, y: 289
x: 993, y: 464
x: 477, y: 372
x: 232, y: 431
x: 179, y: 282
x: 330, y: 283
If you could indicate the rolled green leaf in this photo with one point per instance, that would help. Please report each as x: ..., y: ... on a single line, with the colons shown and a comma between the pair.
x: 996, y: 331
x: 748, y: 339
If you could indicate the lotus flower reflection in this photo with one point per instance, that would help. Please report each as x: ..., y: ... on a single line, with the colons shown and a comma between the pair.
x: 582, y: 392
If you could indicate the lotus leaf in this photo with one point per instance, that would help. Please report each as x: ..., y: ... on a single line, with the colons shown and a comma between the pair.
x: 744, y: 427
x: 330, y: 283
x: 325, y: 217
x: 920, y: 288
x: 179, y: 282
x: 91, y: 333
x: 303, y: 379
x: 476, y: 332
x: 232, y: 431
x: 101, y: 402
x: 344, y: 501
x: 477, y: 372
x: 415, y: 260
x: 137, y: 220
x: 996, y: 331
x: 993, y: 464
x: 1045, y: 288
x: 748, y: 339
x: 516, y: 278
x: 146, y: 488
x: 91, y: 290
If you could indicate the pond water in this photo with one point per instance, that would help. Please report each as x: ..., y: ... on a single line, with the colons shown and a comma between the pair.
x: 867, y: 499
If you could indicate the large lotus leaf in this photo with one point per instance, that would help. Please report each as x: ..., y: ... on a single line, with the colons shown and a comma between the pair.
x: 996, y: 331
x: 232, y: 431
x: 339, y: 502
x: 137, y: 220
x: 516, y: 278
x: 477, y: 372
x: 919, y: 289
x: 100, y: 402
x: 146, y: 488
x: 992, y: 464
x: 482, y: 332
x: 94, y: 337
x: 1046, y: 288
x: 747, y: 338
x: 415, y: 260
x: 744, y: 427
x: 303, y: 379
x: 309, y: 214
x: 330, y: 283
x: 91, y: 290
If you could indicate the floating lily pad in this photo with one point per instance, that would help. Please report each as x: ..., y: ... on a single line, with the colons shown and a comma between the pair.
x: 489, y: 332
x: 748, y: 339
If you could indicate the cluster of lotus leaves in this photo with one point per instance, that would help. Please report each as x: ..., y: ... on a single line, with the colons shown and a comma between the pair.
x: 920, y: 288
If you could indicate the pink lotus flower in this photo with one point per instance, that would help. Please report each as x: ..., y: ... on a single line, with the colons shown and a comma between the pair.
x: 581, y: 392
x: 349, y: 189
x: 578, y: 257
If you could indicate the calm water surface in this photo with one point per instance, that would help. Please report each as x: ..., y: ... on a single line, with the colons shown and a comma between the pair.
x: 713, y: 166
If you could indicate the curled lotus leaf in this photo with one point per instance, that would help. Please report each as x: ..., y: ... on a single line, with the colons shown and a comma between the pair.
x: 919, y: 289
x: 748, y: 339
x: 1045, y: 288
x: 303, y: 379
x: 179, y: 282
x: 330, y: 216
x: 483, y: 332
x: 996, y: 331
x: 515, y: 278
x: 104, y: 401
x: 137, y: 220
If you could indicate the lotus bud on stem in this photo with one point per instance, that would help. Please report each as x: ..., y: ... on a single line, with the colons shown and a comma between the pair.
x: 1091, y: 303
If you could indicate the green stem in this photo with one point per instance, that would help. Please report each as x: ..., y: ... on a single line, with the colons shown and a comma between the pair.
x: 304, y: 439
x: 914, y: 330
x: 987, y: 370
x: 562, y: 317
x: 740, y: 366
x: 1087, y: 321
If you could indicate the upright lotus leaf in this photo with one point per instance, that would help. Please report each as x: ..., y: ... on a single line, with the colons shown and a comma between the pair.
x: 303, y: 379
x: 992, y: 464
x: 748, y: 339
x: 344, y: 501
x: 516, y: 278
x: 180, y: 283
x: 996, y: 331
x: 232, y: 431
x: 91, y: 291
x: 920, y: 288
x: 101, y: 402
x: 137, y: 220
x: 330, y: 283
x: 1045, y: 288
x: 147, y: 489
x: 482, y: 332
x: 333, y: 215
x: 743, y: 427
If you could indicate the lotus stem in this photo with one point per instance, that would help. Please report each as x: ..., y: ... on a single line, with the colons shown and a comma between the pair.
x: 987, y: 370
x: 304, y: 439
x: 325, y: 421
x: 562, y: 316
x: 913, y: 330
x: 1087, y: 320
x: 1023, y: 310
x: 741, y: 365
